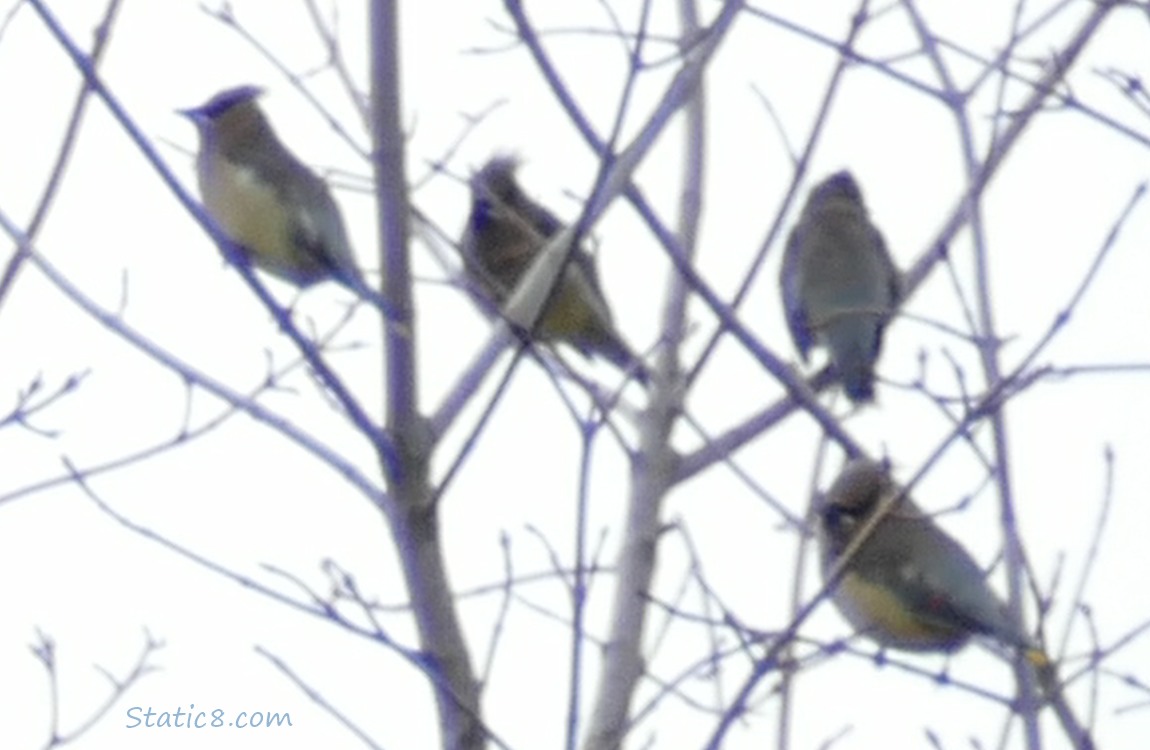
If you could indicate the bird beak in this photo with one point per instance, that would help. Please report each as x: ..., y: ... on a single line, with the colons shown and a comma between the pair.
x: 195, y: 114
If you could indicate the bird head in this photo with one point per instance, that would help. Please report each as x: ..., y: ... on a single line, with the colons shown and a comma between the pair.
x: 496, y: 180
x: 853, y: 497
x: 839, y: 186
x: 224, y: 106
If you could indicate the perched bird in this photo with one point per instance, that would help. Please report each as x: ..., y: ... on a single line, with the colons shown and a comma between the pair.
x: 909, y: 585
x: 276, y: 210
x: 839, y: 286
x: 505, y: 233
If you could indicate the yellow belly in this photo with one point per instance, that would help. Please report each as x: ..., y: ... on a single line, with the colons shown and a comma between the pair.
x: 254, y: 216
x: 883, y: 616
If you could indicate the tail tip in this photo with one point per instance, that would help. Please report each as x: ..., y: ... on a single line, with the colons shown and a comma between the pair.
x: 859, y: 389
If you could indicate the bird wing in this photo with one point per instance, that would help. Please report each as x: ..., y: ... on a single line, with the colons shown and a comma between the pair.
x: 317, y: 225
x: 789, y: 281
x: 952, y: 590
x: 894, y: 288
x: 321, y: 230
x: 545, y: 223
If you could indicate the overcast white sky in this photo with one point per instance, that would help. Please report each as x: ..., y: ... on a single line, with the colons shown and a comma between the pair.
x: 246, y: 499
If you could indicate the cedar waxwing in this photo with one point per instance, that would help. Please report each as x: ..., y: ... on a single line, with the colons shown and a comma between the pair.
x: 838, y: 283
x: 505, y: 232
x: 277, y: 211
x: 909, y: 585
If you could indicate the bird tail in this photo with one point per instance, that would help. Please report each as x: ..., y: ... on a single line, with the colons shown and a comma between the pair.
x: 852, y: 340
x: 1037, y: 658
x: 372, y: 296
x: 620, y: 355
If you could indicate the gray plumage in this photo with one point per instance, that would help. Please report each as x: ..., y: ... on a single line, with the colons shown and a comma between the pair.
x: 839, y: 285
x: 279, y: 213
x: 910, y: 585
x: 505, y: 232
